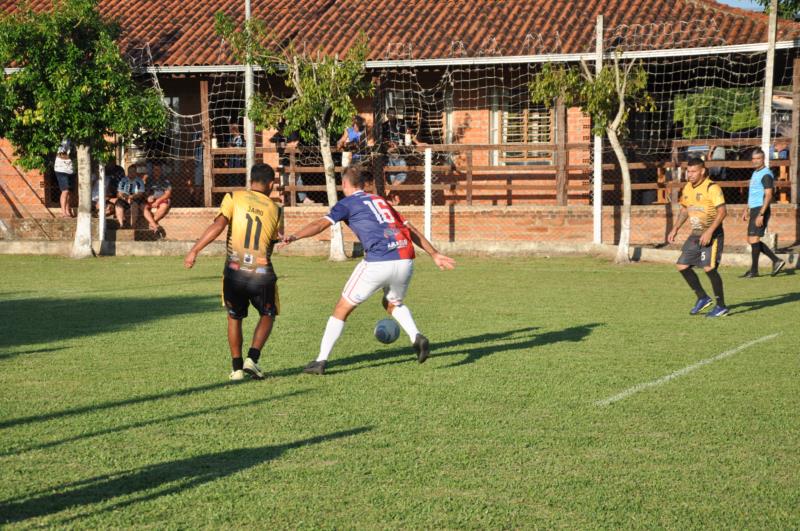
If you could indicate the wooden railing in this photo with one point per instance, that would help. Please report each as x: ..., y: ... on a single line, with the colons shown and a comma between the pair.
x: 460, y: 178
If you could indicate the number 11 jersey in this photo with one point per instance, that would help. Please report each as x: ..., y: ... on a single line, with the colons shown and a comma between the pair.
x: 381, y: 230
x: 253, y: 223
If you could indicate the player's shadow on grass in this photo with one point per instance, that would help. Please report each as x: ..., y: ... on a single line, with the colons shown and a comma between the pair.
x: 760, y: 304
x: 12, y: 450
x: 519, y: 339
x: 93, y: 408
x: 574, y: 334
x: 48, y: 320
x: 7, y: 355
x: 151, y: 482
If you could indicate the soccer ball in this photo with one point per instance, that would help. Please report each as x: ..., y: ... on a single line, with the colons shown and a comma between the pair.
x: 387, y: 331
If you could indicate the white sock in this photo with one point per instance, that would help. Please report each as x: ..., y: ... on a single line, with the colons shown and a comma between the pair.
x: 332, y: 332
x: 403, y: 317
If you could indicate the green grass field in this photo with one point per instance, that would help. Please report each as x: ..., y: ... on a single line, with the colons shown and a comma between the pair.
x: 115, y: 409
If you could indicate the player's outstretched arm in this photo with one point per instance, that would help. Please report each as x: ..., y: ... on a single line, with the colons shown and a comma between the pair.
x: 442, y: 262
x: 211, y: 233
x: 312, y: 229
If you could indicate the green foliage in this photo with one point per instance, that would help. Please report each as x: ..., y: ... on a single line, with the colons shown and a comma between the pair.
x: 786, y: 8
x: 597, y: 96
x: 728, y: 109
x: 319, y: 88
x: 72, y: 83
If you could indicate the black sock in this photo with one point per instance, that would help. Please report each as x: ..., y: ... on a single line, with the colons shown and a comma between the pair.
x: 767, y: 251
x: 716, y: 285
x: 254, y: 353
x: 238, y: 363
x: 755, y: 251
x: 691, y: 278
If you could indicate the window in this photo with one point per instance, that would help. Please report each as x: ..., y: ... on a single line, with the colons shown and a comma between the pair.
x: 518, y: 121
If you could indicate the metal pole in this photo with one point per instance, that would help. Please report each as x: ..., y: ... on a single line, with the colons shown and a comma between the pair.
x: 249, y: 129
x: 428, y: 191
x: 597, y: 188
x: 766, y: 113
x: 101, y: 205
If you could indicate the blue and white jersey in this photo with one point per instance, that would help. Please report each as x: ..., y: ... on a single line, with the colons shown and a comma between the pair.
x: 380, y: 229
x: 761, y: 180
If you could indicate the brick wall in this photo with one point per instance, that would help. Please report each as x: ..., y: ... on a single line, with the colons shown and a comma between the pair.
x: 23, y: 193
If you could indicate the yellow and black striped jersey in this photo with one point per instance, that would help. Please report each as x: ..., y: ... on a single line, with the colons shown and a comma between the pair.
x: 702, y: 202
x: 254, y: 221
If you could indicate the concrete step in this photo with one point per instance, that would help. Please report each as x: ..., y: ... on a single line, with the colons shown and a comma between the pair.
x: 53, y: 229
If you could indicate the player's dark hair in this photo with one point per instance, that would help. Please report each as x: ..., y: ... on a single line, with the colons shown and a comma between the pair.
x: 695, y: 161
x: 757, y: 151
x: 262, y: 173
x: 354, y: 176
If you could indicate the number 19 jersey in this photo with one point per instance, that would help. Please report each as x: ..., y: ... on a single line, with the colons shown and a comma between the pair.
x: 253, y: 223
x: 381, y: 230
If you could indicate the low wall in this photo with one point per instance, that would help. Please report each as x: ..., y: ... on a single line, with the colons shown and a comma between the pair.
x: 457, y: 224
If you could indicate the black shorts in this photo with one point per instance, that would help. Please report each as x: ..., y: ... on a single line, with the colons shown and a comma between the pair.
x: 752, y: 230
x: 694, y: 254
x: 64, y: 180
x: 240, y: 289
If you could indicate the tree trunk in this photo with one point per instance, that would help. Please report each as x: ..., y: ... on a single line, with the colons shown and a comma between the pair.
x: 623, y: 249
x: 82, y: 246
x: 337, y: 241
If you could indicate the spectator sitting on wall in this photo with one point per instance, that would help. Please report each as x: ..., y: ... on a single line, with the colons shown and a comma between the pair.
x: 353, y: 140
x: 158, y: 195
x: 130, y: 195
x: 113, y: 175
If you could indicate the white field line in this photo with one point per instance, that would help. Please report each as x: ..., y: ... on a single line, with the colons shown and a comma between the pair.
x: 681, y: 372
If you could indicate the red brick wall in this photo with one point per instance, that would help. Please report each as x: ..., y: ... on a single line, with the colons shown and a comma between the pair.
x: 26, y: 191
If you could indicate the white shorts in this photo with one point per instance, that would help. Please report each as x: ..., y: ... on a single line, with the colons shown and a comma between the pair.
x: 393, y: 276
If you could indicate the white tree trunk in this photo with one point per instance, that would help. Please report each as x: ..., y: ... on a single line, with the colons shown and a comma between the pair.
x: 337, y: 241
x: 623, y: 249
x: 82, y: 246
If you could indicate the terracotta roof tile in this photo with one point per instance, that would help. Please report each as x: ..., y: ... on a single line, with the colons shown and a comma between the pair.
x: 181, y: 32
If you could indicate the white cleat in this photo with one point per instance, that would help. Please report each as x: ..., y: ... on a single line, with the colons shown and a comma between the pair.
x: 252, y: 368
x: 236, y: 376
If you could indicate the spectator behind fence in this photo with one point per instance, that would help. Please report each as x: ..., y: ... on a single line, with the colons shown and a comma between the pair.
x: 196, y: 185
x: 395, y: 134
x: 130, y: 195
x: 113, y: 175
x: 283, y: 141
x: 64, y: 170
x: 353, y: 141
x: 158, y: 193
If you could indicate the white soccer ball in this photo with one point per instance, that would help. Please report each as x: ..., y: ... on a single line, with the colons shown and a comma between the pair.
x: 387, y: 331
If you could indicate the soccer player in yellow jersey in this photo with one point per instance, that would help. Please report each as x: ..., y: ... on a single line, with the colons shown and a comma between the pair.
x: 254, y: 224
x: 703, y: 204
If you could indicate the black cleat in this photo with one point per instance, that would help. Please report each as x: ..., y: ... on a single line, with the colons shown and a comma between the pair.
x: 777, y: 267
x: 315, y: 367
x: 422, y: 348
x: 749, y: 274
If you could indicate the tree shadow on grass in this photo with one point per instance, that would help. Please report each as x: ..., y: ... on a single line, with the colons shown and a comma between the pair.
x: 93, y: 408
x: 143, y: 423
x: 760, y: 304
x: 49, y: 320
x: 154, y: 481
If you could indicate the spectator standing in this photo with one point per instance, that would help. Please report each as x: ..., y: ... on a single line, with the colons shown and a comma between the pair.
x: 64, y: 170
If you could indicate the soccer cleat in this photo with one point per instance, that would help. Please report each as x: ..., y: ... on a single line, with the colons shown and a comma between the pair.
x: 717, y: 311
x: 701, y: 304
x: 750, y: 274
x: 777, y: 266
x: 422, y: 347
x: 252, y: 368
x: 236, y: 376
x: 315, y: 367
